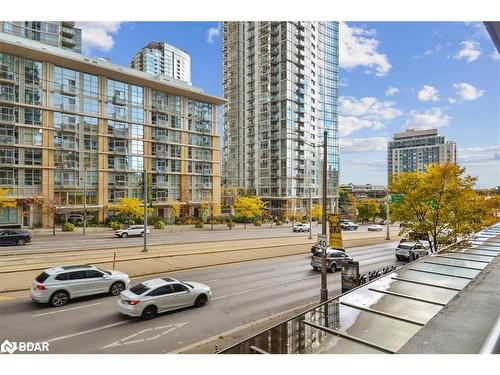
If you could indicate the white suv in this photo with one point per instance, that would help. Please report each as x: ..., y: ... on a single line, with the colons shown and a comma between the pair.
x: 301, y: 227
x: 60, y: 284
x: 133, y: 230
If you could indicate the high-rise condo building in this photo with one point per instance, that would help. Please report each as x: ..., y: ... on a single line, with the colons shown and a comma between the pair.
x: 66, y: 118
x: 412, y: 150
x: 164, y: 59
x: 61, y: 34
x: 281, y: 87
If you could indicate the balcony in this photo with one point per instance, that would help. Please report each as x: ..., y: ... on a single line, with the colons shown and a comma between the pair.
x: 67, y: 31
x: 274, y: 41
x: 7, y: 98
x: 7, y: 118
x: 120, y: 149
x: 69, y: 89
x: 119, y: 99
x: 7, y: 76
x: 275, y: 31
x: 8, y: 139
x: 119, y: 116
x: 70, y: 42
x: 68, y: 23
x: 121, y: 167
x: 69, y: 126
x: 67, y: 107
x: 120, y: 133
x: 275, y: 51
x: 207, y: 186
x: 159, y: 107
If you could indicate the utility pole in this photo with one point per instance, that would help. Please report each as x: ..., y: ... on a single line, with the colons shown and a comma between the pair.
x: 145, y: 181
x: 310, y: 214
x: 324, y: 285
x: 388, y: 216
x: 84, y: 201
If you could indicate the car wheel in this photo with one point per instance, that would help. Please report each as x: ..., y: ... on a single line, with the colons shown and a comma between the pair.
x: 201, y: 300
x: 333, y: 268
x: 142, y: 234
x: 124, y: 235
x: 117, y: 288
x: 316, y: 268
x: 21, y: 242
x: 149, y: 312
x: 59, y: 298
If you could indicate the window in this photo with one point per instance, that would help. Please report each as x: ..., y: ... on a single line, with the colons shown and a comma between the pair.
x: 139, y: 289
x: 179, y: 288
x: 161, y: 291
x: 62, y: 277
x: 93, y: 273
x: 77, y: 275
x: 42, y: 277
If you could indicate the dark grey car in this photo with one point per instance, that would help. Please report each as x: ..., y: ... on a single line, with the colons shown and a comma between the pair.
x: 334, y: 259
x: 14, y: 237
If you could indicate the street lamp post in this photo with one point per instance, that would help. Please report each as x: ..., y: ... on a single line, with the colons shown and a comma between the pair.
x: 324, y: 285
x: 145, y: 181
x: 387, y: 217
x: 310, y: 213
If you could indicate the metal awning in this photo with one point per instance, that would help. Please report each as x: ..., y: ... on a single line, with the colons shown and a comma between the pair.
x: 382, y: 315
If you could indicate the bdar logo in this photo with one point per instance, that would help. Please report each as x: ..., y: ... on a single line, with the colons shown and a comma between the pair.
x: 8, y: 347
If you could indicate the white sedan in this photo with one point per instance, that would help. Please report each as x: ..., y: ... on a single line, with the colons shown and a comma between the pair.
x: 151, y: 297
x: 133, y: 230
x: 375, y: 228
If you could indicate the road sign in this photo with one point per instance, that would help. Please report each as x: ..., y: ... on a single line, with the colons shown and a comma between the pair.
x: 434, y: 204
x: 322, y: 241
x: 335, y: 232
x: 350, y: 276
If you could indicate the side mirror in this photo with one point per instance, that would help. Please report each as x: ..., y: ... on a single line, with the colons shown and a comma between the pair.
x: 106, y: 276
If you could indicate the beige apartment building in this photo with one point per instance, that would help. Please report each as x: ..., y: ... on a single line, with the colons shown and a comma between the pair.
x: 65, y: 117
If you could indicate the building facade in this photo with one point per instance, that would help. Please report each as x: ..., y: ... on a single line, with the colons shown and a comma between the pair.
x: 164, y: 59
x: 281, y: 87
x: 412, y: 150
x: 65, y: 117
x: 61, y: 34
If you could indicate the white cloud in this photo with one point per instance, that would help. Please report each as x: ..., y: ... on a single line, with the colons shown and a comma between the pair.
x: 213, y: 32
x: 98, y: 35
x: 428, y: 93
x: 467, y: 92
x: 495, y: 55
x: 351, y: 124
x: 391, y: 91
x: 369, y: 107
x: 470, y: 51
x: 357, y: 47
x: 479, y: 156
x: 351, y: 145
x: 452, y: 100
x: 431, y: 118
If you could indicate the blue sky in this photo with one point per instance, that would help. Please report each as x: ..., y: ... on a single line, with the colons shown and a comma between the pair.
x: 394, y: 75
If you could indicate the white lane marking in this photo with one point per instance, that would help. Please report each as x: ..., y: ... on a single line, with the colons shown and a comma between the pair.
x: 60, y: 311
x: 262, y: 287
x: 154, y: 331
x: 88, y: 331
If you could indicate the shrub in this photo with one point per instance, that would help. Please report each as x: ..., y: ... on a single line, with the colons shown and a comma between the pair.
x: 230, y: 224
x: 159, y: 225
x: 257, y: 223
x: 68, y: 227
x: 116, y: 225
x: 319, y: 221
x: 199, y: 224
x: 279, y: 222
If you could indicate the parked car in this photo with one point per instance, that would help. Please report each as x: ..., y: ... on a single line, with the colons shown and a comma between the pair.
x: 301, y: 227
x: 60, y: 284
x: 348, y: 225
x: 405, y: 246
x: 155, y: 296
x: 14, y: 237
x: 334, y: 259
x: 375, y: 228
x: 133, y: 230
x: 78, y: 218
x: 382, y: 222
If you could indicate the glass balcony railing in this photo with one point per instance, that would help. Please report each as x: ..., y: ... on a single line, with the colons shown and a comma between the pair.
x: 7, y: 76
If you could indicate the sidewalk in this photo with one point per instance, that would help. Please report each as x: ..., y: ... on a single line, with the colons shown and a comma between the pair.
x: 18, y: 275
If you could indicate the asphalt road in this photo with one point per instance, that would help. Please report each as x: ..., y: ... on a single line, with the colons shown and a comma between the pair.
x: 105, y: 239
x: 243, y: 293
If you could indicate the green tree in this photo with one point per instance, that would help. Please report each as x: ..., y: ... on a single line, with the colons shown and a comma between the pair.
x: 250, y: 208
x: 440, y: 202
x: 368, y: 209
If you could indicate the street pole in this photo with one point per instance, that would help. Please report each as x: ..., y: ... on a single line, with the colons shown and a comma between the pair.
x: 84, y: 201
x: 310, y: 214
x: 388, y: 216
x: 324, y: 285
x: 145, y: 178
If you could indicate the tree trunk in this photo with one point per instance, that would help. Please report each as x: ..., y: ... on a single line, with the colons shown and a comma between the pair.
x: 245, y: 225
x: 54, y: 225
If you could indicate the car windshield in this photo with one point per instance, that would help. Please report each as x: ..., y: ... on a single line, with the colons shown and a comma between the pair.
x: 139, y: 289
x: 189, y: 285
x: 106, y: 272
x: 406, y: 247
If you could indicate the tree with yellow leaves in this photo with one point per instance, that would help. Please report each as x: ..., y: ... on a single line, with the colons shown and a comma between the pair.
x: 250, y: 208
x: 130, y: 209
x: 317, y: 211
x: 368, y: 209
x: 439, y: 202
x: 175, y: 209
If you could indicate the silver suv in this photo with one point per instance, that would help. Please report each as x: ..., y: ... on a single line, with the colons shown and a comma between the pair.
x: 334, y: 259
x: 60, y: 284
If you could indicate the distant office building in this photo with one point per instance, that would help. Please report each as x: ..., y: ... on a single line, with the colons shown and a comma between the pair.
x: 412, y: 150
x: 494, y: 31
x: 61, y: 34
x: 365, y: 191
x: 160, y: 58
x: 66, y: 118
x: 281, y: 84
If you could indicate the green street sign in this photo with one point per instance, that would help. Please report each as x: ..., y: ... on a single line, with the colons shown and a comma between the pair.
x: 397, y: 198
x: 434, y: 204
